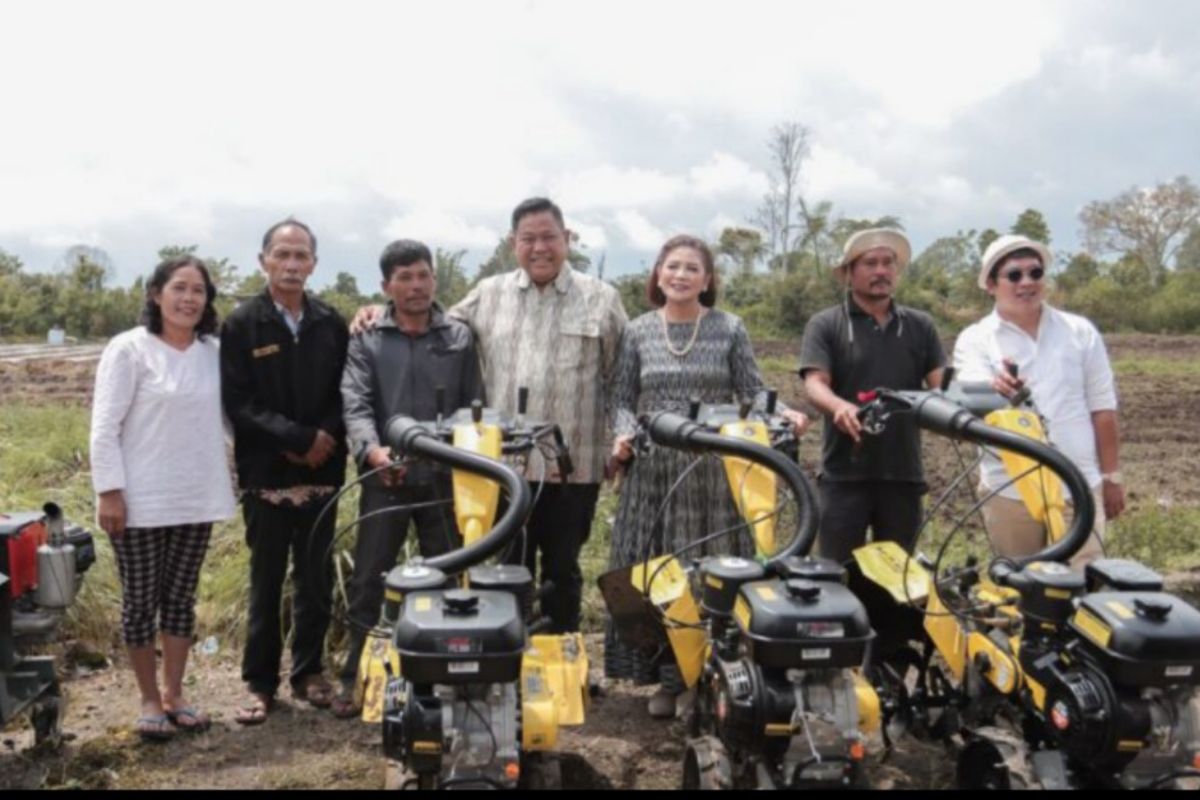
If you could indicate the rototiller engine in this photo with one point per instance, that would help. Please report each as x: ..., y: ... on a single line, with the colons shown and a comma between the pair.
x: 1053, y: 678
x: 472, y: 699
x: 772, y: 648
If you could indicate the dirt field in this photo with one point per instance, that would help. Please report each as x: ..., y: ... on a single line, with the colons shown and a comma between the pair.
x: 620, y: 747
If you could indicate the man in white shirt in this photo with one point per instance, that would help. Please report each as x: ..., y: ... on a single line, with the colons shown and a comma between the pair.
x: 1061, y: 358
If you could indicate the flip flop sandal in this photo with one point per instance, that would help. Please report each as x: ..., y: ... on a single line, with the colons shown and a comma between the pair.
x: 151, y: 728
x: 199, y: 721
x: 344, y: 707
x: 314, y: 690
x: 254, y: 711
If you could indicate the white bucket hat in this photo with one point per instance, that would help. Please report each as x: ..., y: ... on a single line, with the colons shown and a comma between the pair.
x: 872, y: 238
x: 1003, y: 246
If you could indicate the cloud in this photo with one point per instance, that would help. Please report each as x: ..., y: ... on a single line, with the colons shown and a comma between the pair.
x: 591, y: 236
x: 440, y: 229
x: 947, y: 114
x: 640, y: 232
x: 726, y: 175
x: 609, y: 187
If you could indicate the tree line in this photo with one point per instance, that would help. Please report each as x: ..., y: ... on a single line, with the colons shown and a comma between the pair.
x: 1139, y: 269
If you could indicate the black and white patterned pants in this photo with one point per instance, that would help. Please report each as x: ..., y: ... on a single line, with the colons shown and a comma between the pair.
x: 160, y: 568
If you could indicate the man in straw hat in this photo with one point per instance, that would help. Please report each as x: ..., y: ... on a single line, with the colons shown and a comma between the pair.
x: 867, y: 342
x: 1061, y: 358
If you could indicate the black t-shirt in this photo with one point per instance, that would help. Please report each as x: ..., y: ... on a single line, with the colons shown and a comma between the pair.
x: 896, y: 356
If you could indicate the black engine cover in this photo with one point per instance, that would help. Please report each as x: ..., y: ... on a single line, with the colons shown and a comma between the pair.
x: 802, y: 624
x: 460, y: 636
x: 1141, y: 638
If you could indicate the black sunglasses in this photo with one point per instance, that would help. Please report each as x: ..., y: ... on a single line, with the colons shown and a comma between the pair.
x: 1015, y: 275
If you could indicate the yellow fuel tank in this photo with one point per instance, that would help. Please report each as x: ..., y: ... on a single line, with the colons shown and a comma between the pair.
x: 1040, y: 489
x: 476, y: 498
x: 755, y: 488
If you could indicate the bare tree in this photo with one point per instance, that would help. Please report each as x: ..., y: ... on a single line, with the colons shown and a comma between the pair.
x: 788, y: 149
x: 1150, y: 224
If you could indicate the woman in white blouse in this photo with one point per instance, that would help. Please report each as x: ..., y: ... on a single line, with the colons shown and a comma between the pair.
x: 161, y: 477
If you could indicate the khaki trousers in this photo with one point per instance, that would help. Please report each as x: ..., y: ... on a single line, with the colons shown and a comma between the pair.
x: 1015, y: 533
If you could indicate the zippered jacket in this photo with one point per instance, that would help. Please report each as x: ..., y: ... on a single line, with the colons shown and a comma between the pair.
x: 279, y: 389
x: 390, y: 372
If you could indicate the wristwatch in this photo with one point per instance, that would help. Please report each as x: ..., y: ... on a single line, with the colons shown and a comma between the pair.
x: 1113, y: 477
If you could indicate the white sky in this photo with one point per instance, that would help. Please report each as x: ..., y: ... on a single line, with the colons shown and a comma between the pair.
x: 130, y: 125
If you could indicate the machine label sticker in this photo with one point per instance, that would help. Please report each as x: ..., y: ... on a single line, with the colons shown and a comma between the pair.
x: 766, y: 593
x: 741, y: 610
x: 1092, y: 627
x: 816, y: 654
x: 1179, y: 672
x: 1120, y: 609
x: 463, y: 667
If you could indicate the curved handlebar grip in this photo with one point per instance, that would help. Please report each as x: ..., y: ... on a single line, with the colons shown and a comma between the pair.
x: 672, y: 430
x: 406, y: 435
x: 935, y: 413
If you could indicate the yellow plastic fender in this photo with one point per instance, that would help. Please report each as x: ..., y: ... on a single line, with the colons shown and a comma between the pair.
x: 755, y: 488
x: 1040, y: 489
x: 669, y: 591
x: 554, y: 689
x: 889, y: 566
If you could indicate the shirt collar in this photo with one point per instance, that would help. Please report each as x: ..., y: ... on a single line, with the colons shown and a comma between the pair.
x: 994, y: 321
x: 562, y: 283
x: 437, y: 317
x: 271, y: 308
x: 858, y: 311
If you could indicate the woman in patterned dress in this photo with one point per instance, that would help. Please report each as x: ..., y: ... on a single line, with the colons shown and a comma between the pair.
x: 685, y: 349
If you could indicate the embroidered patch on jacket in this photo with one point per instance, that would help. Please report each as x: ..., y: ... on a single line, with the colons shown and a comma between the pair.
x: 269, y: 350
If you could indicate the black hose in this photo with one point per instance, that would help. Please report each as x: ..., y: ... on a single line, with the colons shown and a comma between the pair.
x: 939, y: 415
x: 406, y: 435
x: 677, y: 431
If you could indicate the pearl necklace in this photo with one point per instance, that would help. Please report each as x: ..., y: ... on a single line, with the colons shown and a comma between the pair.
x: 662, y: 315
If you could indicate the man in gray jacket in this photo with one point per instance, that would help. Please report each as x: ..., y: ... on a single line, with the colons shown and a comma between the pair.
x: 394, y: 368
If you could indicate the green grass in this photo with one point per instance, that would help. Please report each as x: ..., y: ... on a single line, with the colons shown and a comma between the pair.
x: 1158, y: 367
x: 43, y: 457
x: 1165, y: 539
x: 777, y: 365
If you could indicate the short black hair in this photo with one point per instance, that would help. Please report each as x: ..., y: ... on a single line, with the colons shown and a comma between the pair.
x: 291, y: 222
x: 152, y: 311
x: 403, y: 253
x: 1024, y: 252
x: 537, y: 205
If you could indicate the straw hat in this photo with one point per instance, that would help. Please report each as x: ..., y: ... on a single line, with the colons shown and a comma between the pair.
x: 873, y: 238
x: 1003, y: 246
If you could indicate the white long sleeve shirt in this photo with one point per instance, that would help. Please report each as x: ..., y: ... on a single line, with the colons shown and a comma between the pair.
x: 158, y: 433
x: 1067, y: 371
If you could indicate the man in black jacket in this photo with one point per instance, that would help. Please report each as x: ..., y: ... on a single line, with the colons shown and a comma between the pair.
x: 282, y: 355
x: 398, y: 367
